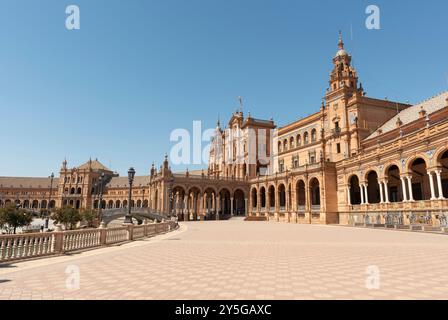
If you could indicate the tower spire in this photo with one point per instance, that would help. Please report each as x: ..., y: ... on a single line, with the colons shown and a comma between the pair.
x: 341, y: 42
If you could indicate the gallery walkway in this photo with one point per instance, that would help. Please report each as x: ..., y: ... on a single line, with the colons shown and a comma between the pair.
x: 244, y: 260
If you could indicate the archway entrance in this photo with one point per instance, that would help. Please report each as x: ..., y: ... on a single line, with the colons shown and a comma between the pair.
x: 239, y: 203
x: 394, y: 184
x: 373, y: 187
x: 420, y: 180
x: 355, y: 190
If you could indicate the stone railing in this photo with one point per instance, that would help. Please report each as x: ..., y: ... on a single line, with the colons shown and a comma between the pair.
x: 33, y: 245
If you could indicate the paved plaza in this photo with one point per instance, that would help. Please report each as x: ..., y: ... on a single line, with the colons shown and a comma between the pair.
x: 244, y: 260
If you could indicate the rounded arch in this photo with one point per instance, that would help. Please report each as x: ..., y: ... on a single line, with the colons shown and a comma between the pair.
x: 282, y: 196
x: 117, y: 204
x: 239, y: 202
x: 417, y: 169
x: 313, y: 135
x: 43, y: 204
x: 394, y: 189
x: 263, y: 196
x: 388, y: 166
x: 254, y: 197
x: 355, y: 189
x: 110, y: 204
x: 373, y: 186
x: 315, y: 191
x: 224, y: 197
x: 271, y: 194
x: 298, y: 140
x: 306, y: 139
x: 440, y: 154
x: 300, y: 195
x: 409, y: 163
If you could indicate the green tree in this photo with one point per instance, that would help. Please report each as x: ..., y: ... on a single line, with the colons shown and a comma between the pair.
x: 68, y: 216
x: 89, y: 216
x: 12, y: 218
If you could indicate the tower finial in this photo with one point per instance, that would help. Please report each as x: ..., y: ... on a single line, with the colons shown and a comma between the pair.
x: 341, y: 42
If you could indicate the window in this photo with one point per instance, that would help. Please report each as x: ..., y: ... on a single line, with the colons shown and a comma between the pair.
x: 298, y: 140
x: 313, y: 135
x: 281, y: 166
x: 305, y: 138
x: 295, y: 162
x: 338, y: 148
x: 312, y: 156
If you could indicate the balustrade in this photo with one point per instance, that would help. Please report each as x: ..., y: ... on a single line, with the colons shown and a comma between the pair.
x: 25, y: 246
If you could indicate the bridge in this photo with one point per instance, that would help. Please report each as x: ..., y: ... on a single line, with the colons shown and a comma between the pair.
x: 140, y: 214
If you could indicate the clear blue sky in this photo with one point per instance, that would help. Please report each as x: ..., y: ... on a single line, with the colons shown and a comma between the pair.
x: 136, y: 70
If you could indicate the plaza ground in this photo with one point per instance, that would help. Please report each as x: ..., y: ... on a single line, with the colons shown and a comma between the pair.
x: 244, y: 260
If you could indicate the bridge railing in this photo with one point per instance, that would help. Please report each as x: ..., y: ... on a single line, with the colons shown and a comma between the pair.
x: 33, y: 245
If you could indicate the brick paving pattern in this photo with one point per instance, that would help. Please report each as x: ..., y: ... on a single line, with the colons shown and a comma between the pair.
x: 244, y: 260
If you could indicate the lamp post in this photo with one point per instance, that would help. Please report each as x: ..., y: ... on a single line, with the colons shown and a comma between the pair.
x: 47, y: 218
x: 131, y: 175
x: 100, y: 196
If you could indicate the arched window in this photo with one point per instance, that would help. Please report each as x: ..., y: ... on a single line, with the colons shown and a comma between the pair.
x: 291, y: 143
x: 285, y: 144
x: 305, y: 138
x: 298, y: 140
x: 313, y: 135
x: 279, y: 146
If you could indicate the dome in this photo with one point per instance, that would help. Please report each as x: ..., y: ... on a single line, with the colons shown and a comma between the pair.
x: 341, y: 53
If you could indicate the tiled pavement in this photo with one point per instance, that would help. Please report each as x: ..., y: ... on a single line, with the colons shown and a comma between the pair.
x: 245, y: 260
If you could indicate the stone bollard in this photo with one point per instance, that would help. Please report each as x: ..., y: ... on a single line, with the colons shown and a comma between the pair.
x: 103, y: 233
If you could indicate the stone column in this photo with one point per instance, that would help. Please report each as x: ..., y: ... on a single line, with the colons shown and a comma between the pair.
x: 218, y: 206
x: 431, y: 185
x: 349, y: 201
x: 231, y: 206
x: 245, y: 206
x: 258, y: 202
x: 439, y: 184
x: 411, y: 195
x: 380, y: 185
x: 367, y: 193
x: 386, y: 191
x: 185, y: 209
x: 361, y: 188
x: 403, y: 187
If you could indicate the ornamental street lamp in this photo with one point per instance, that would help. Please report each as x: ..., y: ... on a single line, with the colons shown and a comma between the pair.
x: 131, y: 175
x: 47, y: 217
x: 100, y: 196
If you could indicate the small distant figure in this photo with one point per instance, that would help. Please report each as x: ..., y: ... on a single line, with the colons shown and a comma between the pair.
x: 42, y: 228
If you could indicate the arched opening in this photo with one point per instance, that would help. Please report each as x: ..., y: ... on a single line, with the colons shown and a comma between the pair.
x: 43, y: 204
x: 239, y: 205
x: 313, y: 135
x: 315, y: 192
x: 225, y: 202
x: 145, y: 203
x: 193, y: 198
x: 78, y: 204
x: 132, y: 204
x: 125, y: 203
x: 110, y: 205
x: 78, y: 191
x: 300, y: 196
x: 355, y: 190
x: 291, y: 143
x: 282, y: 196
x: 263, y: 197
x: 139, y: 203
x: 72, y: 191
x: 373, y: 187
x: 443, y: 161
x: 271, y: 192
x: 298, y: 140
x: 420, y: 180
x: 117, y: 204
x: 305, y: 138
x: 285, y: 144
x: 35, y: 204
x: 26, y: 204
x: 254, y: 199
x: 394, y: 186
